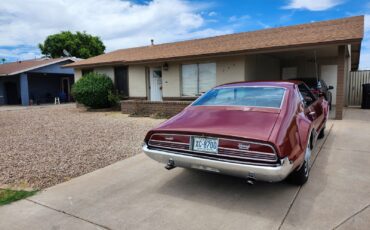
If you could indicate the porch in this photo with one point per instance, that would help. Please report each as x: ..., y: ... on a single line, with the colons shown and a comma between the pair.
x: 176, y: 83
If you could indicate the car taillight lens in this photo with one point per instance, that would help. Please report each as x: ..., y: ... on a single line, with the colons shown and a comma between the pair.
x: 171, y: 138
x: 246, y: 146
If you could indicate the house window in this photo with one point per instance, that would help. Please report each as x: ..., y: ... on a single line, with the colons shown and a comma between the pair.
x: 121, y: 80
x: 86, y: 71
x: 198, y: 78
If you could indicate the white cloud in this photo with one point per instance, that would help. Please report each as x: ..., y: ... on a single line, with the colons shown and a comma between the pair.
x: 19, y: 53
x: 313, y: 5
x: 212, y: 14
x: 120, y: 24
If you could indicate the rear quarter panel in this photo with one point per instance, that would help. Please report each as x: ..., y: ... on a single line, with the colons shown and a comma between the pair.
x: 291, y: 130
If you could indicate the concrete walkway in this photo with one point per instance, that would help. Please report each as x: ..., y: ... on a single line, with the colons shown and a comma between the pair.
x: 139, y: 193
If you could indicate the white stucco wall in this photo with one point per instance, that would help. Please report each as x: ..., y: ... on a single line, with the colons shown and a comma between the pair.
x: 137, y: 81
x: 78, y: 74
x: 171, y: 80
x: 230, y: 70
x: 109, y: 71
x: 261, y: 67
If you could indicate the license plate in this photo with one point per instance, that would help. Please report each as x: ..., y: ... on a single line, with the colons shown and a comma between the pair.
x: 202, y: 144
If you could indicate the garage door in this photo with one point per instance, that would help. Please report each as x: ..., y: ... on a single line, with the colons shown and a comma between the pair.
x: 329, y: 75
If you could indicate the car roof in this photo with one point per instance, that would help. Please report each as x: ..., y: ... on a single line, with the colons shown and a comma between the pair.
x: 282, y: 83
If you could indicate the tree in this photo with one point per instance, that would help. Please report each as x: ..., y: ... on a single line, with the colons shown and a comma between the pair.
x: 81, y: 45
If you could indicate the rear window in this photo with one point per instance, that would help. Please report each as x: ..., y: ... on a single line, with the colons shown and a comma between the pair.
x: 243, y: 96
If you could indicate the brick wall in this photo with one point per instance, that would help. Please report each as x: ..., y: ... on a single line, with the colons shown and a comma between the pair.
x: 147, y: 108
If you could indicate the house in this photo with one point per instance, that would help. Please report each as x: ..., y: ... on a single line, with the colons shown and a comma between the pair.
x: 37, y: 81
x: 183, y: 70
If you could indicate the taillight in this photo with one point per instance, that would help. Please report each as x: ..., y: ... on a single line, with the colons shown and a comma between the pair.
x: 246, y: 146
x: 171, y: 138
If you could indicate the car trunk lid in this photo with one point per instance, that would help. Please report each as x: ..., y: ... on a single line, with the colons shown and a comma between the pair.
x: 237, y: 121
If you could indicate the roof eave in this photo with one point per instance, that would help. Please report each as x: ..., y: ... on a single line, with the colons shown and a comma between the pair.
x: 36, y: 67
x: 220, y: 54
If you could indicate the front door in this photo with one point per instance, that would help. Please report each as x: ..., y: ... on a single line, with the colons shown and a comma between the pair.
x: 11, y: 93
x: 155, y: 84
x: 329, y: 75
x: 66, y: 87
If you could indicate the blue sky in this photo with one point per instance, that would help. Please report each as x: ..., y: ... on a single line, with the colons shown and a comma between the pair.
x: 122, y: 24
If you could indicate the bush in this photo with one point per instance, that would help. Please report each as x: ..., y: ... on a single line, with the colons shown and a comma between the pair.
x: 95, y: 91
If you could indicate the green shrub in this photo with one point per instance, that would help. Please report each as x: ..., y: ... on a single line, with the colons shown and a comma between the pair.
x: 113, y: 98
x: 95, y: 91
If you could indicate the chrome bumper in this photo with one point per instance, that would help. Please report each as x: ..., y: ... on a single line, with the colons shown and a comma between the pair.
x: 262, y: 173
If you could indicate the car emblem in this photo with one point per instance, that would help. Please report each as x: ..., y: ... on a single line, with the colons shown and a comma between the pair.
x: 244, y: 146
x: 169, y: 138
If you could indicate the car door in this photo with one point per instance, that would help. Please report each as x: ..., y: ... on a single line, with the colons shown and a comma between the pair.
x: 313, y: 108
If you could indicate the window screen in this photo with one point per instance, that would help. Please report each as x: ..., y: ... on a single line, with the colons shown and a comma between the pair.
x: 189, y: 80
x: 198, y: 78
x: 207, y: 77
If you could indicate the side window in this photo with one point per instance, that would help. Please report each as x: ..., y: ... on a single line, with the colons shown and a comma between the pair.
x: 307, y: 96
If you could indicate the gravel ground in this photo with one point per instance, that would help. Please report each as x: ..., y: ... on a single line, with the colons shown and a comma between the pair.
x: 41, y: 147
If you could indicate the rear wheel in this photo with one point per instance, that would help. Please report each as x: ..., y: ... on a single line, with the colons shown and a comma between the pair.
x: 300, y: 176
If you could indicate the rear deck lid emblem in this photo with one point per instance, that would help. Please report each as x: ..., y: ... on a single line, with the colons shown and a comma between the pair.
x: 244, y: 146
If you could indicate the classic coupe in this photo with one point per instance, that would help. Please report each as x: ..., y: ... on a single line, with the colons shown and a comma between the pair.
x: 254, y: 130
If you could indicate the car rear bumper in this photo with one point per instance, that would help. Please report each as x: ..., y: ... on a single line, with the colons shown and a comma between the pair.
x: 262, y: 173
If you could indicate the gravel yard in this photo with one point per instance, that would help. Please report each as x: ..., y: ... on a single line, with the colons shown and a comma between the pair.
x: 41, y: 147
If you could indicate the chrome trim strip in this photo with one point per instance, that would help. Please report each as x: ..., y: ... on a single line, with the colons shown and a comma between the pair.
x: 263, y: 159
x: 170, y: 142
x: 228, y: 139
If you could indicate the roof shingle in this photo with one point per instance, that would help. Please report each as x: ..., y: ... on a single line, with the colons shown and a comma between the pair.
x: 324, y: 32
x: 12, y: 68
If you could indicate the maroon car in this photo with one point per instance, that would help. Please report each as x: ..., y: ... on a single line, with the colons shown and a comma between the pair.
x: 255, y: 130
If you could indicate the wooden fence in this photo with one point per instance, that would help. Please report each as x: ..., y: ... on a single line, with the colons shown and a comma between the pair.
x: 354, y: 84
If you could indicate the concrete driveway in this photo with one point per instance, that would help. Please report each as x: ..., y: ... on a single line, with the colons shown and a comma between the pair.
x: 138, y: 193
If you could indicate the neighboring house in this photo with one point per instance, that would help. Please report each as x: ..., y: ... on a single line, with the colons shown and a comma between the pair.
x: 37, y: 80
x: 184, y: 70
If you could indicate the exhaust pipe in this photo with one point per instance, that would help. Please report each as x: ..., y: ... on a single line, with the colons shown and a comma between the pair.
x: 251, y: 179
x: 170, y: 165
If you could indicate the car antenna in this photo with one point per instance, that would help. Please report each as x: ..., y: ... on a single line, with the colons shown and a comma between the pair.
x: 316, y: 69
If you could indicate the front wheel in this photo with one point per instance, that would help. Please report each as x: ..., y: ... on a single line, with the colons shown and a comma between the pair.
x: 300, y: 176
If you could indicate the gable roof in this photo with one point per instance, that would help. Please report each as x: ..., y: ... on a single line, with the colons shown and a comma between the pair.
x: 344, y: 30
x: 18, y: 67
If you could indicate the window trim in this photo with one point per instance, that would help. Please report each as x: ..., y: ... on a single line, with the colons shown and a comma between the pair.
x: 197, y: 64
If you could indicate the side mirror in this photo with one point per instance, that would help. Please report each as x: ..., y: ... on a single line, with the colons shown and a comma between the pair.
x: 330, y: 87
